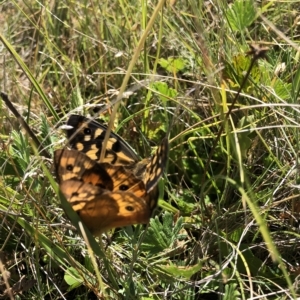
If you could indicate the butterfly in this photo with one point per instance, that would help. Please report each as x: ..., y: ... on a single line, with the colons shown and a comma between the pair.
x: 118, y: 192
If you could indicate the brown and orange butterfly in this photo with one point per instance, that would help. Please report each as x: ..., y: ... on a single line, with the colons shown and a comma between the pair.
x: 118, y: 192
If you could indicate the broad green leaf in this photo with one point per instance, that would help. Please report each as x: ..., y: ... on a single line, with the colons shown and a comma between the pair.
x: 236, y: 70
x: 241, y: 14
x: 282, y: 89
x: 72, y: 278
x: 163, y: 90
x: 172, y: 64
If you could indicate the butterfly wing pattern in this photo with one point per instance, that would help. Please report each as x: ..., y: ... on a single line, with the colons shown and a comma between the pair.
x: 101, y: 210
x: 120, y: 191
x: 87, y: 136
x: 156, y: 166
x: 71, y: 164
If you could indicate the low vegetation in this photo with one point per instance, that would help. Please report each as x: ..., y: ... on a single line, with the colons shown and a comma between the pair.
x: 223, y: 79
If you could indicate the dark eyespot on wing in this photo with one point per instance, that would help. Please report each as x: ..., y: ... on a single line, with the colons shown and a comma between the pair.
x: 129, y: 208
x: 87, y: 131
x: 123, y: 187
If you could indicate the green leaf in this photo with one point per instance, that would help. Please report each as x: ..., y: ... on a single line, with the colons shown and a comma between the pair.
x: 48, y: 138
x: 166, y: 206
x: 186, y: 272
x: 163, y: 90
x: 249, y: 260
x: 72, y: 278
x: 186, y: 202
x: 236, y: 70
x: 282, y: 89
x: 161, y: 236
x: 241, y: 14
x: 172, y: 64
x: 231, y: 292
x: 20, y: 149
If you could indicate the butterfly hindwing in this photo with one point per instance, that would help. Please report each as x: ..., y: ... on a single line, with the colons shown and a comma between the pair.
x: 104, y: 196
x: 101, y: 210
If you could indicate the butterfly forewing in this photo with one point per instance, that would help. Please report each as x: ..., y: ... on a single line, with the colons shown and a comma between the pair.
x: 87, y: 136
